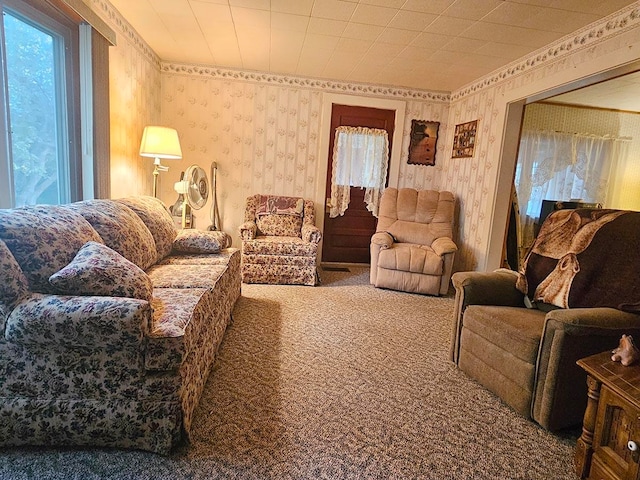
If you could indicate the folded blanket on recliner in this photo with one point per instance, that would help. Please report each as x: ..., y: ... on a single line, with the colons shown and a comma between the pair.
x: 585, y: 258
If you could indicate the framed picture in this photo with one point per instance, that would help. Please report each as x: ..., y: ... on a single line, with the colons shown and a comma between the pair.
x: 422, y: 146
x: 464, y: 139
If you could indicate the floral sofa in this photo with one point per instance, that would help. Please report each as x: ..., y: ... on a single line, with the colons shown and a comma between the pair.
x: 279, y: 241
x: 111, y: 319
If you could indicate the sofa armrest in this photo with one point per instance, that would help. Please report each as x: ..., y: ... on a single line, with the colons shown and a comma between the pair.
x: 560, y: 391
x: 54, y: 321
x: 444, y: 245
x: 311, y: 233
x: 248, y: 230
x: 481, y: 288
x: 383, y: 239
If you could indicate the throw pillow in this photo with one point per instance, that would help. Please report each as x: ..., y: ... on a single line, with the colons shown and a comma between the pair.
x: 98, y: 270
x: 198, y: 241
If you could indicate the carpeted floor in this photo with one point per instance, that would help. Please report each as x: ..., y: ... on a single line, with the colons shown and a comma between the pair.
x: 341, y: 381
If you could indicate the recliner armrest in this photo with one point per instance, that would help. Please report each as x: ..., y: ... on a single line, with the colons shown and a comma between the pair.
x: 481, y: 288
x: 560, y: 392
x: 444, y: 245
x: 383, y: 239
x: 248, y: 230
x: 488, y: 288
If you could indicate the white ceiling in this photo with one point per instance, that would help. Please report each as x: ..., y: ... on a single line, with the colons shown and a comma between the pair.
x: 622, y: 93
x: 424, y: 44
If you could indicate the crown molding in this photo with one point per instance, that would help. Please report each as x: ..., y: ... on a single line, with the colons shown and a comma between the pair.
x: 608, y: 27
x: 110, y: 15
x: 304, y: 82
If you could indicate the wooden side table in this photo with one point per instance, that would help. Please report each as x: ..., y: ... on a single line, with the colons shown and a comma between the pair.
x: 609, y: 447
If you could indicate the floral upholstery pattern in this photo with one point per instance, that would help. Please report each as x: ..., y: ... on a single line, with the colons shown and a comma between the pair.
x: 43, y: 239
x: 104, y: 370
x: 157, y: 219
x: 13, y: 283
x: 198, y: 241
x: 279, y: 248
x: 121, y: 229
x: 278, y: 224
x: 222, y: 258
x: 98, y: 270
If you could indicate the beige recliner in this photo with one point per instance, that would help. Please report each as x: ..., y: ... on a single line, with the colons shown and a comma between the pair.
x: 412, y: 249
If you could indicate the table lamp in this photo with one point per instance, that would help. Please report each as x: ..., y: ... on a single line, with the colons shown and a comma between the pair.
x: 160, y: 142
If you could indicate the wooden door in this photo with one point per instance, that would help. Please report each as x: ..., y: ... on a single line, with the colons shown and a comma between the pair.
x: 346, y: 238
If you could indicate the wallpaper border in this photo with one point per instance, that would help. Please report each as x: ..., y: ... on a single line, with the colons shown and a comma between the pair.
x: 304, y: 82
x: 109, y: 13
x: 609, y: 27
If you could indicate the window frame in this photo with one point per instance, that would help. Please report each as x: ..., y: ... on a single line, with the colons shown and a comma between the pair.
x: 67, y: 28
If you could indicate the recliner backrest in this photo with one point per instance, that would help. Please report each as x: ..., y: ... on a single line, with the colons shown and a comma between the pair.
x: 416, y: 216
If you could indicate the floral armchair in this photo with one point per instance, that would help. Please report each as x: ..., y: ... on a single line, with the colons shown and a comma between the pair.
x: 279, y: 241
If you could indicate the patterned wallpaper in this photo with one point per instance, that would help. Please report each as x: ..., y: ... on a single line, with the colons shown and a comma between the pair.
x: 264, y: 138
x: 134, y: 86
x: 262, y: 129
x: 483, y: 193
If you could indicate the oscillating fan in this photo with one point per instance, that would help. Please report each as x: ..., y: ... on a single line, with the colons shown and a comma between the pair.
x: 195, y: 188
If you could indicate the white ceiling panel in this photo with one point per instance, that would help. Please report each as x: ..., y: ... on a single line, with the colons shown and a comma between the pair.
x: 360, y: 40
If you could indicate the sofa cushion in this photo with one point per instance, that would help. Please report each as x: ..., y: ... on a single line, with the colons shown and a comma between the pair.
x: 121, y: 229
x: 178, y: 324
x: 13, y: 283
x: 157, y: 219
x: 198, y: 241
x: 98, y: 270
x: 43, y: 239
x: 279, y: 246
x: 185, y: 276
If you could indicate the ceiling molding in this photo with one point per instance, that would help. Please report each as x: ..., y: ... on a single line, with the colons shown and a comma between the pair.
x: 113, y: 18
x: 609, y: 27
x: 304, y: 82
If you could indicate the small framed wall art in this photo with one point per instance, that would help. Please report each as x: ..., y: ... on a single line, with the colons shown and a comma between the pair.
x: 464, y: 139
x: 422, y: 146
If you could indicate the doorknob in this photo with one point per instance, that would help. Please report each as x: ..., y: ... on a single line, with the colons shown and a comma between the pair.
x: 327, y: 206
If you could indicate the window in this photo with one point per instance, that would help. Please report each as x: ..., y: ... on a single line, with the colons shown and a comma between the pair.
x: 360, y: 159
x: 40, y: 66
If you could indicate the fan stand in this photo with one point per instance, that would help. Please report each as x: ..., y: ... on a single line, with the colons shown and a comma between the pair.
x: 215, y: 214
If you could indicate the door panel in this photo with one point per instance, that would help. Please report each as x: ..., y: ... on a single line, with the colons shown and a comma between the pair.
x: 346, y: 238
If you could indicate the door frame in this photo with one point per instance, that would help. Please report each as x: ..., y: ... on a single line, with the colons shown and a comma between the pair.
x: 328, y: 101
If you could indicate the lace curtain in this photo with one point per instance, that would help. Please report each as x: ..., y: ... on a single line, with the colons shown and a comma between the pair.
x: 563, y: 166
x: 360, y: 159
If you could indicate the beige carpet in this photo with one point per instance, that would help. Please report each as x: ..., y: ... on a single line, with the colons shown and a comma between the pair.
x: 341, y: 381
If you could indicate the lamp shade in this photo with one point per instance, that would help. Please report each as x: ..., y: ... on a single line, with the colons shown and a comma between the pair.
x: 160, y: 142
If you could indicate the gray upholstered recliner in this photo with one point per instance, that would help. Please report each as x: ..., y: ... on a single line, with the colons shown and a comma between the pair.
x: 412, y: 249
x: 527, y: 356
